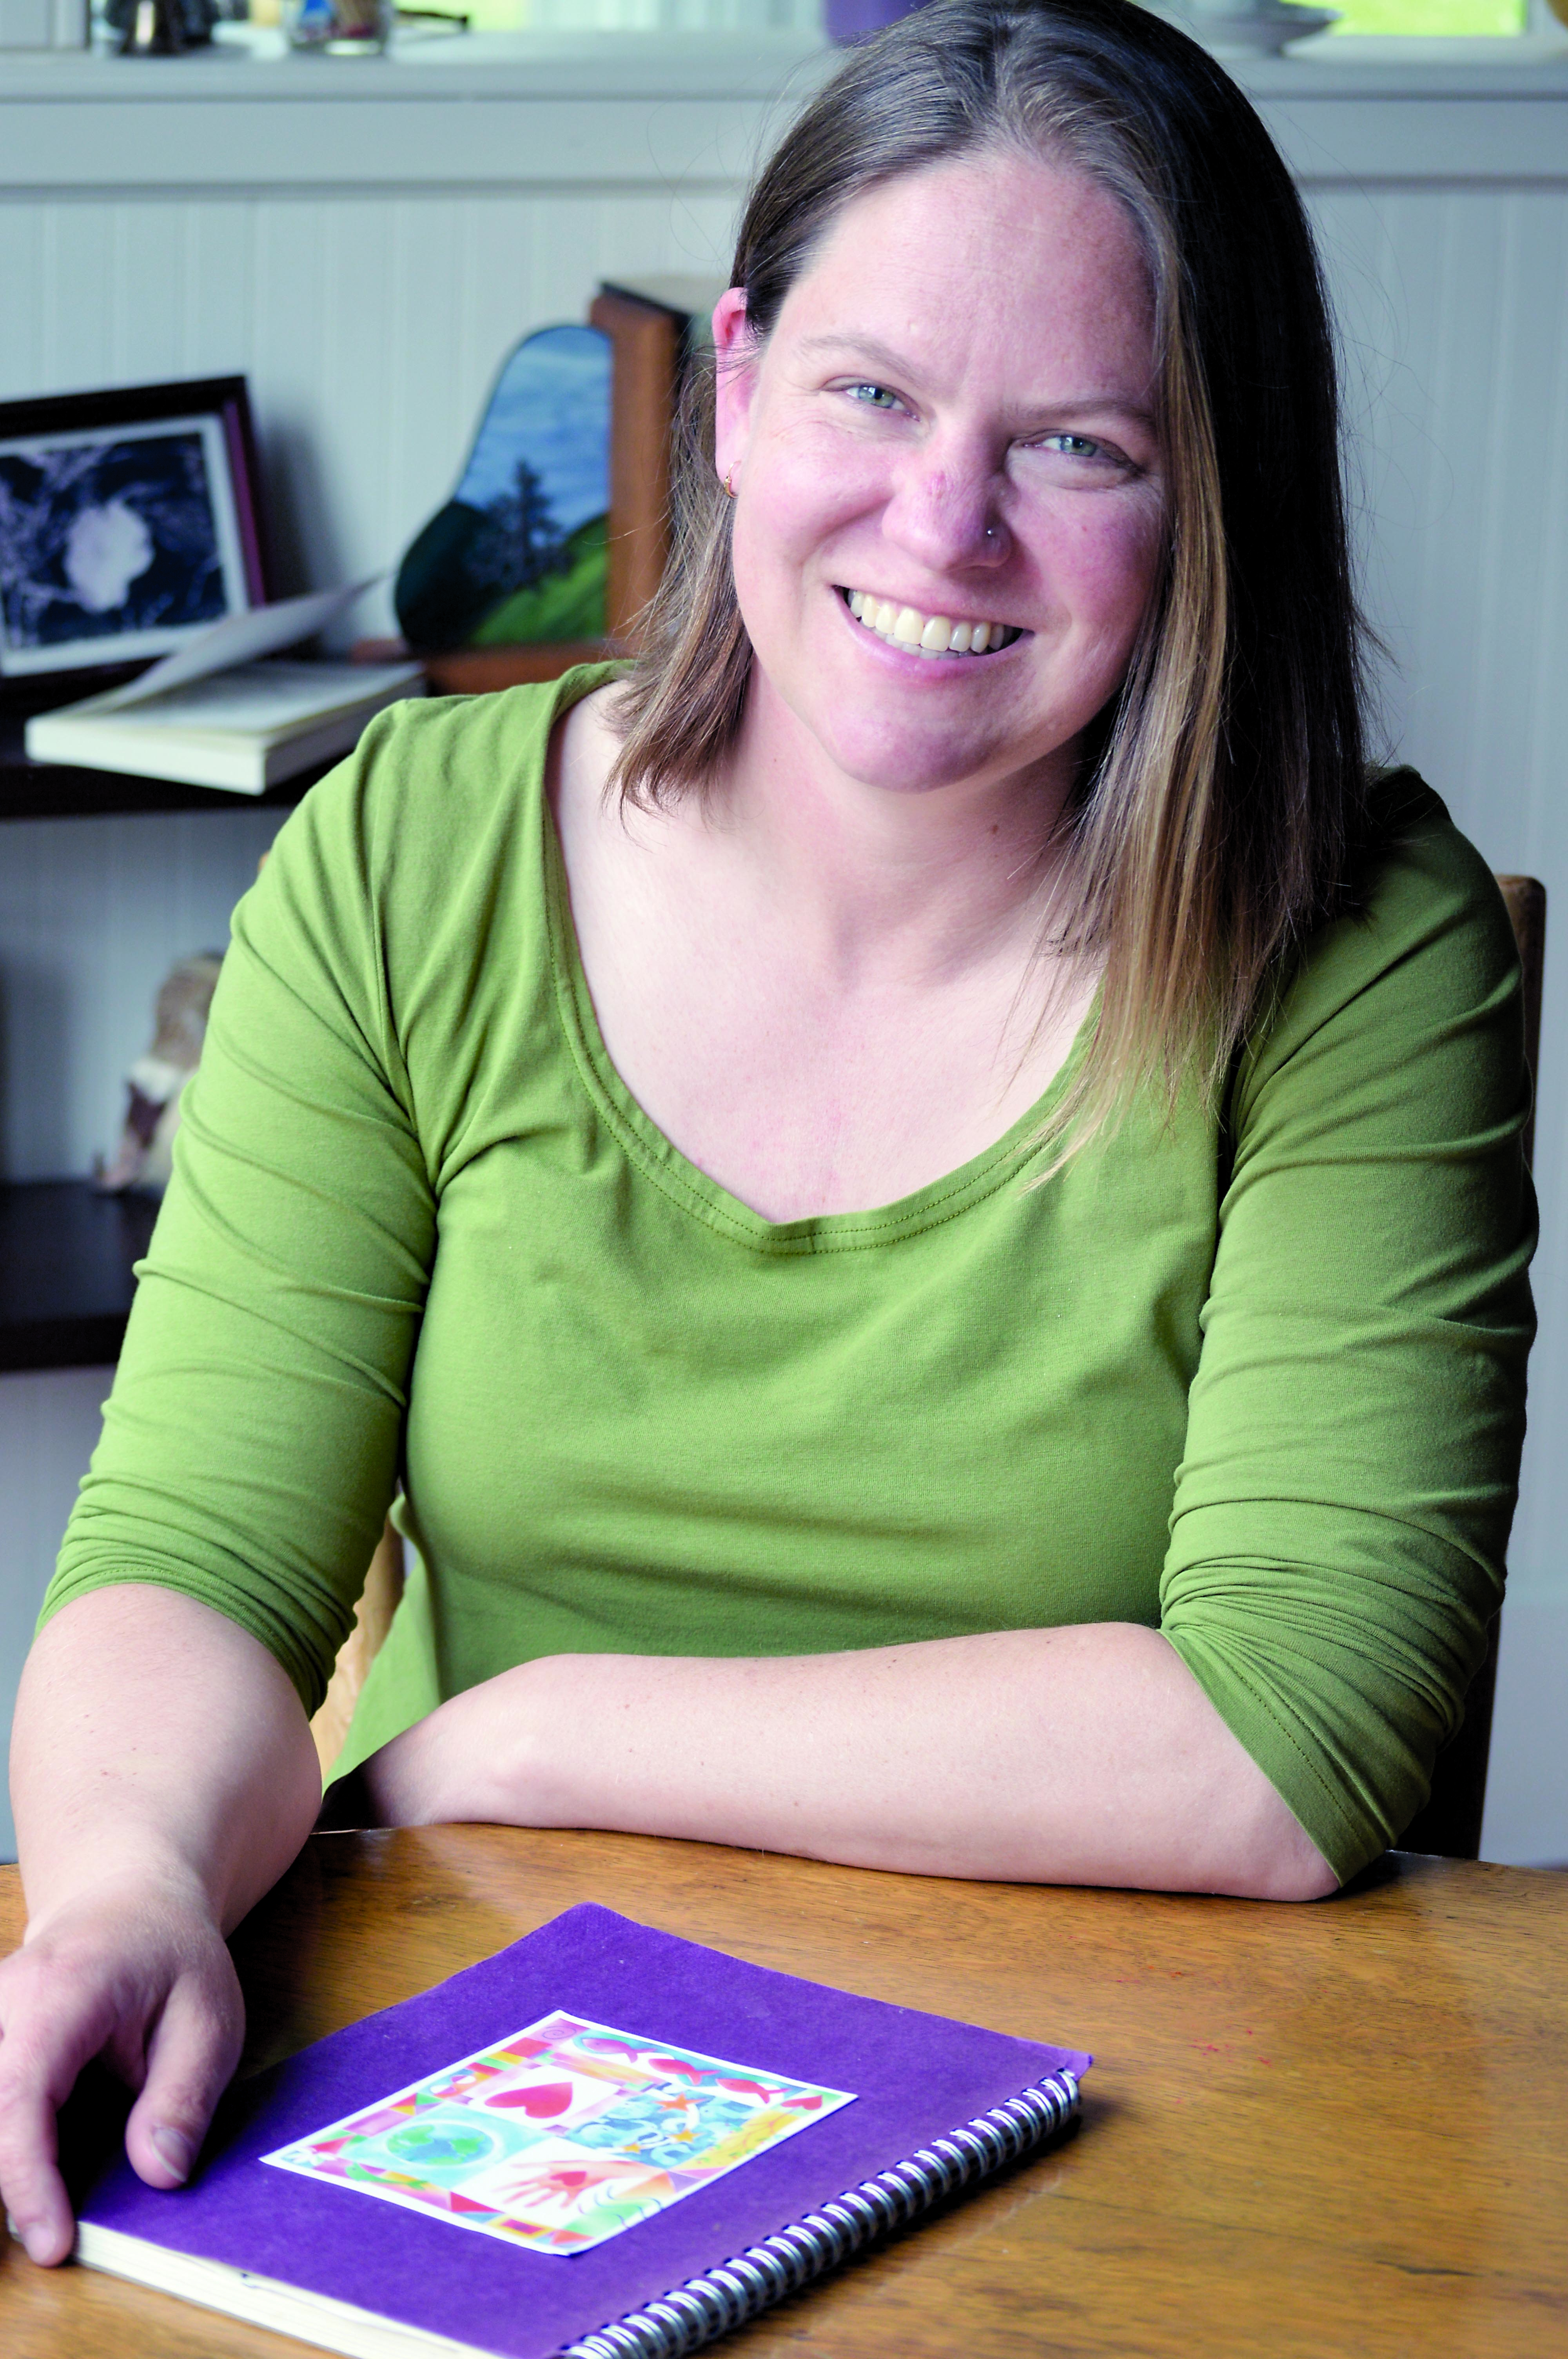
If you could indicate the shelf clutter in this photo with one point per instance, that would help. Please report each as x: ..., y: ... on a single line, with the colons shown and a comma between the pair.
x: 68, y: 1251
x: 67, y: 1271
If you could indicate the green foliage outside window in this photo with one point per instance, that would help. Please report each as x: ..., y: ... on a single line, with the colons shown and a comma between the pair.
x: 1428, y: 16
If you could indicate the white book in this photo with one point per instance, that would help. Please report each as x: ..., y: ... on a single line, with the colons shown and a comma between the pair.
x: 215, y: 714
x: 315, y: 2318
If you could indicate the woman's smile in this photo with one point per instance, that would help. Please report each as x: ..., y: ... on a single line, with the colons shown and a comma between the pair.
x: 912, y: 632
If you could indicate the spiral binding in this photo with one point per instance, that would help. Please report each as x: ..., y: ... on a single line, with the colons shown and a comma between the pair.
x: 708, y: 2306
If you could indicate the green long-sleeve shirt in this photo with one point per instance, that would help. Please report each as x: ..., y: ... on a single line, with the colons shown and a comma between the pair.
x: 1256, y: 1380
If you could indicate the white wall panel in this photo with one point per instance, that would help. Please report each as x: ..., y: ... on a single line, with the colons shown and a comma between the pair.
x: 1454, y: 306
x: 48, y: 1429
x: 379, y: 261
x: 1527, y: 1790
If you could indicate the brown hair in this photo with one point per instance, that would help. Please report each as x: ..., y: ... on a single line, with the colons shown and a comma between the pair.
x: 1223, y: 792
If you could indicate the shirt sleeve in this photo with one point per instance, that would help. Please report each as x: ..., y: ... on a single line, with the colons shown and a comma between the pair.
x: 1343, y: 1503
x: 250, y: 1445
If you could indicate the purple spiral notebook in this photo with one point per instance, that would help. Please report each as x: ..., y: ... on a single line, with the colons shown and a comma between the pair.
x: 604, y: 2141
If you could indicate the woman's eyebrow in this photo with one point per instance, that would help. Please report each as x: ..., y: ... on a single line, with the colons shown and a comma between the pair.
x: 863, y: 348
x: 871, y: 352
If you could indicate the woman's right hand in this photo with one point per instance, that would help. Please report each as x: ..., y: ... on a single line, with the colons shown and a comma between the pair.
x: 136, y: 1973
x: 164, y: 1776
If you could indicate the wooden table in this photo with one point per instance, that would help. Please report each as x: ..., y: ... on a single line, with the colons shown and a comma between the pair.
x: 1341, y: 2129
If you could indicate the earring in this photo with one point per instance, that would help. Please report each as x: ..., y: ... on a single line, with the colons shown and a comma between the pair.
x: 728, y: 486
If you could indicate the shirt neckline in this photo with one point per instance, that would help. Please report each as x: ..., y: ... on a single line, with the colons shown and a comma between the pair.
x: 658, y: 1158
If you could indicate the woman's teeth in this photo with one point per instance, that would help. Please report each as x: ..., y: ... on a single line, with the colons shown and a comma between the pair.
x: 927, y: 635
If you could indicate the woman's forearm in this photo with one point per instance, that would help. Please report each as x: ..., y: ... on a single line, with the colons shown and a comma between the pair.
x: 1087, y: 1755
x: 151, y: 1731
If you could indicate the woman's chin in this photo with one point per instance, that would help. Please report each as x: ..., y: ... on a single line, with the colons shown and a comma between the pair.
x: 890, y: 733
x: 910, y: 777
x: 906, y: 760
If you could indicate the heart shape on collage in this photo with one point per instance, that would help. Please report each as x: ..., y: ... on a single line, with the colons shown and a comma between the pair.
x: 554, y: 2097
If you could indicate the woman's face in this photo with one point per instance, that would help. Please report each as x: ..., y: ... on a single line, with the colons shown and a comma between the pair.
x: 952, y: 424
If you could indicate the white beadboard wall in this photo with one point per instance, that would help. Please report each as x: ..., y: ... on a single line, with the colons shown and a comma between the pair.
x: 367, y: 258
x: 48, y: 1425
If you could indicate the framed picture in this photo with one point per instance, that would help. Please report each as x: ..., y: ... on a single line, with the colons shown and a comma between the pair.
x: 128, y: 522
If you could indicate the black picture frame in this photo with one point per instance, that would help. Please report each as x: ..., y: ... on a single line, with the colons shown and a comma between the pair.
x: 129, y: 520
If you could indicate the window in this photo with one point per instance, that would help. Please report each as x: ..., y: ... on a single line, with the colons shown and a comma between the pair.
x: 1431, y: 17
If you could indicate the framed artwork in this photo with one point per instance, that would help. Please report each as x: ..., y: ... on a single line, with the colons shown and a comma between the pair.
x: 128, y: 523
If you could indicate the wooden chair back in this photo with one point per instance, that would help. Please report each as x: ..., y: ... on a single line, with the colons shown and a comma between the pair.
x: 1450, y: 1824
x: 372, y: 1619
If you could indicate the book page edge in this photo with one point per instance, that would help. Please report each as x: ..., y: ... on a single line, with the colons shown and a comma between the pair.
x: 315, y: 2318
x: 139, y: 762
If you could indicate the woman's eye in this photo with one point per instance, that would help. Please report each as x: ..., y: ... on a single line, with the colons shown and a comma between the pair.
x: 875, y: 396
x: 1074, y: 446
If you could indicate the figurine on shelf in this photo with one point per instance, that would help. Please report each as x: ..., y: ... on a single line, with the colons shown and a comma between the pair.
x: 157, y: 1079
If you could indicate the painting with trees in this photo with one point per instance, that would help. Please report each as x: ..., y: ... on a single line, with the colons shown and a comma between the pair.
x: 518, y: 553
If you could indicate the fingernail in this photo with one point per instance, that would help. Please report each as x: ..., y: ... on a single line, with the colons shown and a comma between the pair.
x: 175, y: 2148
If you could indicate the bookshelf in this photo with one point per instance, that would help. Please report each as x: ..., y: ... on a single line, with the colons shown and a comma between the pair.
x: 67, y: 1252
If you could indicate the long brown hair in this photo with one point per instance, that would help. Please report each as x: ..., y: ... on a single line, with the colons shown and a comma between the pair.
x: 1222, y: 795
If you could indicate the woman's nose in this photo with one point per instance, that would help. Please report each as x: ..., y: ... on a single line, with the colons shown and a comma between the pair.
x: 944, y: 508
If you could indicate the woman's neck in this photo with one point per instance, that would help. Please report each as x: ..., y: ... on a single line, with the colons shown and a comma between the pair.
x: 825, y: 995
x: 917, y: 884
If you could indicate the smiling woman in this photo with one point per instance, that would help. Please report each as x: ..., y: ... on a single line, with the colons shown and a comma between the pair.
x: 1212, y: 814
x: 994, y: 497
x: 924, y: 1191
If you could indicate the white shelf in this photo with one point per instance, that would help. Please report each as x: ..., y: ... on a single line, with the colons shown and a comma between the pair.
x: 712, y: 63
x: 629, y: 110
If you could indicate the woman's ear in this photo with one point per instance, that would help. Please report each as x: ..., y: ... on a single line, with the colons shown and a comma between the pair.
x: 735, y: 383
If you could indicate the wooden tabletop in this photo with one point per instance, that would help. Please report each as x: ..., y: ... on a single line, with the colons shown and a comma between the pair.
x: 1335, y: 2129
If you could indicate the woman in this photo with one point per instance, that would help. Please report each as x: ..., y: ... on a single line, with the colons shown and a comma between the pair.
x: 928, y: 1192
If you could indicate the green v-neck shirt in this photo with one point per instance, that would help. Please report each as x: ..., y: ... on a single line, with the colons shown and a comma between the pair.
x: 1256, y: 1379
